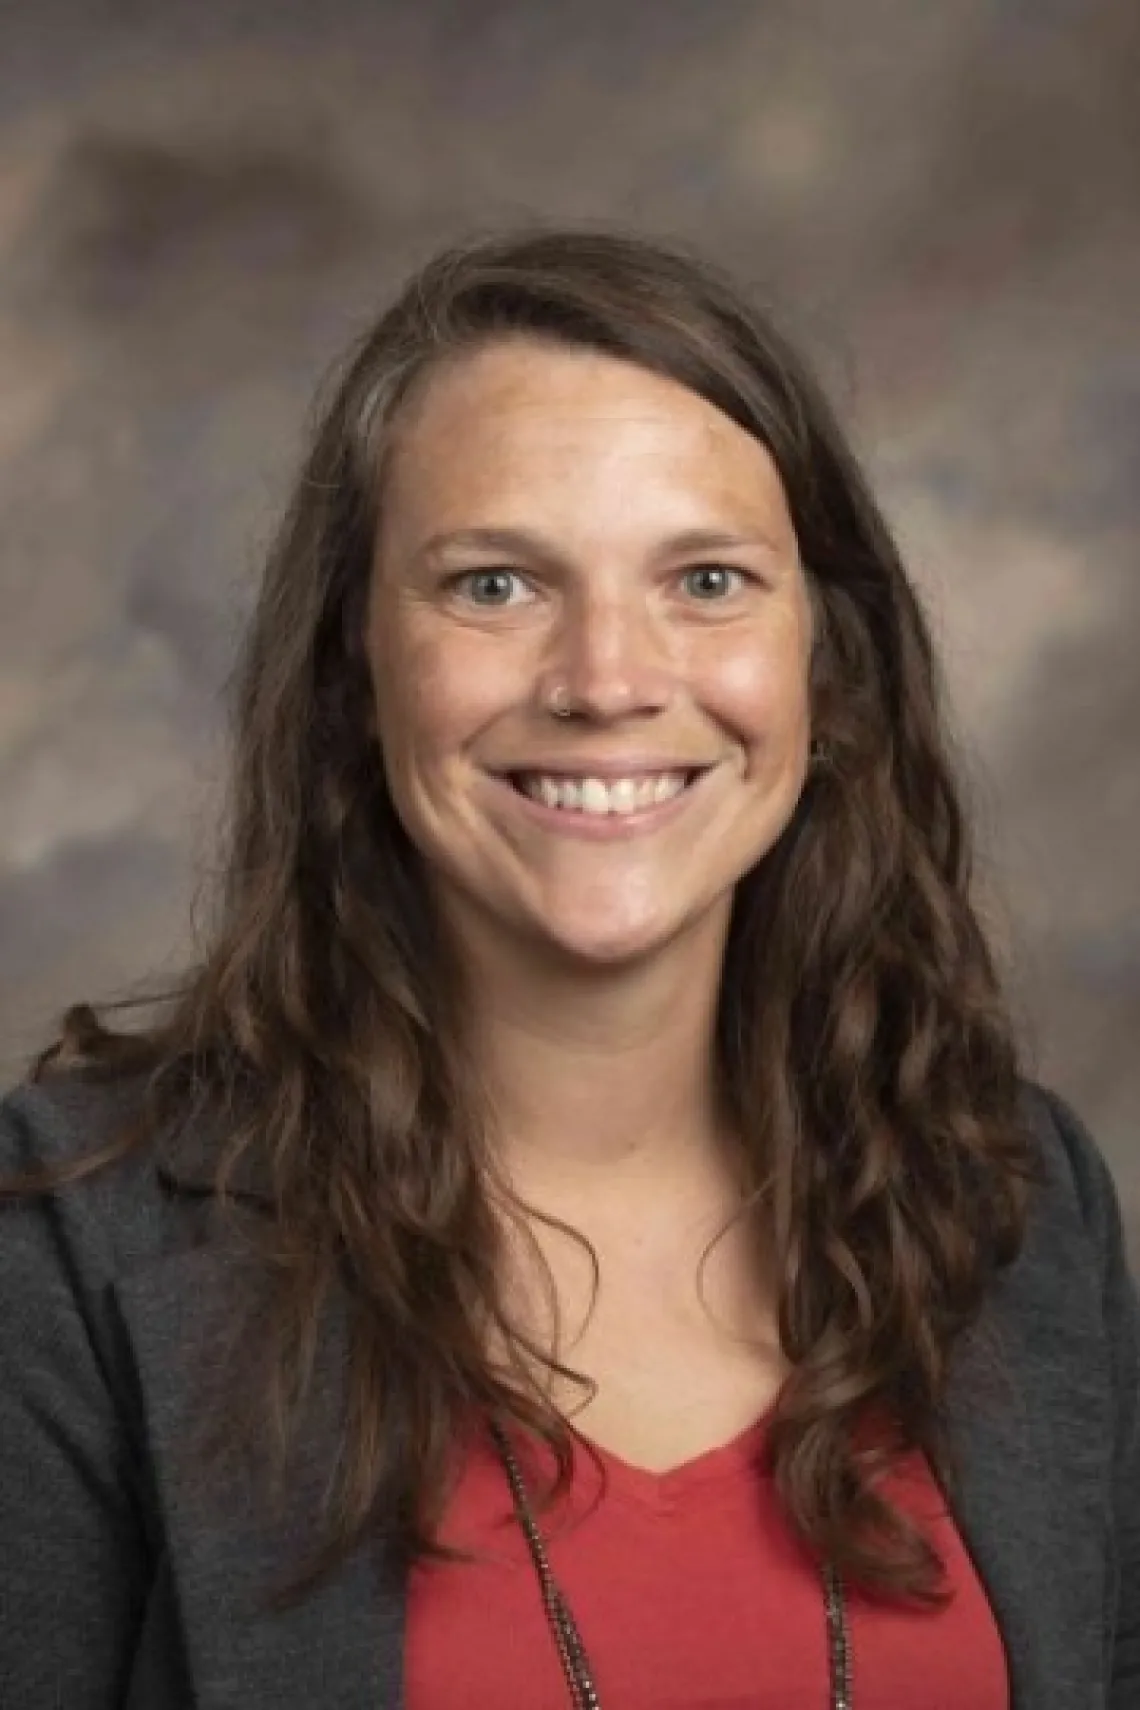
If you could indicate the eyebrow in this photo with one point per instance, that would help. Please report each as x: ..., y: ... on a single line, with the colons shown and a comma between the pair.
x: 524, y: 541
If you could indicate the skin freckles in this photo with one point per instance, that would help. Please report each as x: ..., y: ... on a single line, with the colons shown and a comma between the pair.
x: 590, y: 471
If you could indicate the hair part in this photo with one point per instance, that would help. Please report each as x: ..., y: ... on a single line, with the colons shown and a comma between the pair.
x: 863, y: 1044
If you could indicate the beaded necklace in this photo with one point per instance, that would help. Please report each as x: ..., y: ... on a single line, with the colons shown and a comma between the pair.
x: 568, y: 1640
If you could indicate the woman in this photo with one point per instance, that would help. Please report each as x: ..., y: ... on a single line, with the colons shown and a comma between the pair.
x: 579, y: 1235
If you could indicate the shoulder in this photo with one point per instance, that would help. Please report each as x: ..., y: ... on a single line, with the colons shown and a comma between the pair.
x: 1079, y: 1186
x: 1073, y: 1277
x: 97, y: 1223
x: 56, y: 1120
x: 81, y: 1255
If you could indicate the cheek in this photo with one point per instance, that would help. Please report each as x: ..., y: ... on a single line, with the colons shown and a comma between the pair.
x: 433, y: 700
x: 760, y: 690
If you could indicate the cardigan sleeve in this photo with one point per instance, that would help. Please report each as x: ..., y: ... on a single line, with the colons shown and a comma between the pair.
x: 1101, y: 1206
x: 73, y: 1574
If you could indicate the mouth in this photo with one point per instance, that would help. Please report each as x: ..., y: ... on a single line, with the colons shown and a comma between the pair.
x: 615, y: 804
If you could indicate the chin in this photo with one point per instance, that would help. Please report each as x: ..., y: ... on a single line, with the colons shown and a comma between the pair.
x: 621, y: 945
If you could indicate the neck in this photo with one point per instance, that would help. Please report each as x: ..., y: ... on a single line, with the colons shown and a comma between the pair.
x: 604, y: 1083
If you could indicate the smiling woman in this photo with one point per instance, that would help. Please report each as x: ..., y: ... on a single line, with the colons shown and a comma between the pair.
x: 579, y: 1235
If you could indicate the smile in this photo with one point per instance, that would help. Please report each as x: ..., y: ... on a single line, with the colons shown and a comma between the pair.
x: 601, y: 796
x: 593, y: 808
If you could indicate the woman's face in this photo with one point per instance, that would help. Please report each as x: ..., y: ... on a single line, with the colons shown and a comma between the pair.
x: 557, y: 517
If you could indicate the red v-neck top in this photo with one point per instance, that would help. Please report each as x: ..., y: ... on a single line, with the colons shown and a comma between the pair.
x: 690, y: 1593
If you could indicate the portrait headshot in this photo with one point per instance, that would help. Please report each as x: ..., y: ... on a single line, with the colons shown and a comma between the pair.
x: 563, y: 1193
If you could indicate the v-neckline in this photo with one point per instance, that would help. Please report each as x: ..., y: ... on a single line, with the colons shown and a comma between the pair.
x: 649, y: 1488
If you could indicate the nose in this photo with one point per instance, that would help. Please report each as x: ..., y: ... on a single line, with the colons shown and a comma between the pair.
x: 610, y: 658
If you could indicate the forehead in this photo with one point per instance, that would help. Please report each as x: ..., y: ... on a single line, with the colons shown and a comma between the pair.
x: 522, y: 417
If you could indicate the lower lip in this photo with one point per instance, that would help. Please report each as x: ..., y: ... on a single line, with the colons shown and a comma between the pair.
x: 603, y: 827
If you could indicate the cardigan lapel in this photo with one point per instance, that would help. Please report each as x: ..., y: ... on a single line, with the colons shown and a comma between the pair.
x: 1032, y: 1421
x: 340, y: 1648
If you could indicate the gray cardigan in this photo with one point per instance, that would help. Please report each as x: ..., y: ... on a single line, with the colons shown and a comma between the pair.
x: 119, y: 1588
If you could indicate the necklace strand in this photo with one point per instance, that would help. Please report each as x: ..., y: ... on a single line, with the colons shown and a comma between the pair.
x: 568, y: 1640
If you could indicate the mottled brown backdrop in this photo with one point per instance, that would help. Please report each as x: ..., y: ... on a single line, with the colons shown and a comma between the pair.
x: 199, y: 203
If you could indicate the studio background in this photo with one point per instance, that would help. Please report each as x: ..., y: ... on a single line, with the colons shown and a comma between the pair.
x: 199, y: 205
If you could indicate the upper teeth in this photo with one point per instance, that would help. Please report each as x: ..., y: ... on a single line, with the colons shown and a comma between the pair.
x: 593, y: 795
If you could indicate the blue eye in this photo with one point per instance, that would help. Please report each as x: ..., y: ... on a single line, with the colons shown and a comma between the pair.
x: 717, y: 575
x: 499, y: 578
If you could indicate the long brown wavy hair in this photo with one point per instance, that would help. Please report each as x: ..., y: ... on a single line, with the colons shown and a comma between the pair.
x: 862, y: 1042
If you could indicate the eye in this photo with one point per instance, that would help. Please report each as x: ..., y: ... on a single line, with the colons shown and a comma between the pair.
x: 714, y: 580
x: 490, y: 587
